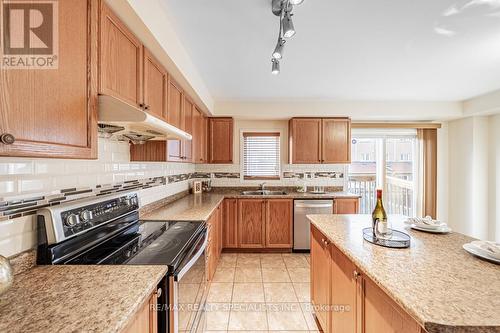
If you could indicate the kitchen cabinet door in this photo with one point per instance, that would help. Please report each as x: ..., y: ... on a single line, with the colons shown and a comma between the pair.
x: 155, y: 86
x: 220, y: 231
x: 381, y: 314
x: 344, y: 292
x: 146, y: 319
x: 221, y: 140
x: 52, y: 113
x: 121, y: 59
x: 175, y: 101
x: 251, y: 223
x: 305, y: 140
x: 151, y: 151
x: 204, y: 139
x: 279, y: 221
x: 175, y: 117
x: 336, y: 140
x: 230, y: 223
x: 346, y: 206
x: 320, y: 278
x: 187, y: 145
x: 197, y: 133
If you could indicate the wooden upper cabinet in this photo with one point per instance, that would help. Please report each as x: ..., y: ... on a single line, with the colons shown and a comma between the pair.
x: 319, y: 140
x: 336, y: 140
x: 230, y: 223
x: 150, y: 151
x: 155, y: 86
x: 121, y: 59
x: 251, y: 223
x: 344, y: 291
x: 52, y: 112
x: 305, y: 140
x: 175, y: 101
x: 199, y: 136
x: 321, y: 280
x: 279, y: 223
x: 220, y: 140
x: 187, y: 145
x: 346, y: 206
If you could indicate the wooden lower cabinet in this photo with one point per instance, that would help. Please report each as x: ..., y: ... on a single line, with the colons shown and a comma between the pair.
x: 251, y: 223
x: 146, y: 319
x: 214, y: 247
x: 346, y: 206
x: 320, y: 278
x: 230, y: 223
x: 347, y: 301
x: 279, y: 220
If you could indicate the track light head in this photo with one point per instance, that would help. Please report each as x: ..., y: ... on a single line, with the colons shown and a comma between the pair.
x: 278, y: 50
x: 287, y: 23
x: 275, y: 70
x: 295, y: 2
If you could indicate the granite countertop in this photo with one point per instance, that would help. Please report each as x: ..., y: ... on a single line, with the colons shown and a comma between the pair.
x: 437, y: 282
x: 199, y: 207
x: 64, y: 298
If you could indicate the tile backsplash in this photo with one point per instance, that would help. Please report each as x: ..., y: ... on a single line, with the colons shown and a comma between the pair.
x: 27, y: 184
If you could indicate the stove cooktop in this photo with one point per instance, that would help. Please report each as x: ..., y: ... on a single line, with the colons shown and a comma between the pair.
x: 145, y: 243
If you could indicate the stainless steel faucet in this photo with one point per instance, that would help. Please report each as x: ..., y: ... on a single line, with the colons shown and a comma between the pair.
x: 262, y: 186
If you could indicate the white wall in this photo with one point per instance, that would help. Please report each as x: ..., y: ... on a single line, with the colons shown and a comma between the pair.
x: 473, y: 176
x: 494, y: 178
x: 442, y: 172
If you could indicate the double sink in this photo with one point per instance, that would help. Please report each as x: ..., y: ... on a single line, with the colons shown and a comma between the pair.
x: 263, y: 192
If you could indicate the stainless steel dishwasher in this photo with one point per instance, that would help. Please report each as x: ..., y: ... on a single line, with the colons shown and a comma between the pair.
x: 301, y: 225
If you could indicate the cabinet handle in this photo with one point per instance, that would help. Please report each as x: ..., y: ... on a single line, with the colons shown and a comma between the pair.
x: 356, y: 274
x: 7, y: 139
x: 158, y: 292
x: 142, y: 105
x: 146, y: 107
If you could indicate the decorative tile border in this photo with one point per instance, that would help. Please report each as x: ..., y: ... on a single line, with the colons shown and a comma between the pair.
x: 24, y: 207
x: 231, y: 175
x: 301, y: 175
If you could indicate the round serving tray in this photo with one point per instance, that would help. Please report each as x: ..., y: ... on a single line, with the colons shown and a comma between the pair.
x: 399, y: 240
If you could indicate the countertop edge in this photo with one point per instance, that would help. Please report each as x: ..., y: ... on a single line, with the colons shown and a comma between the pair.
x: 123, y: 324
x: 430, y: 327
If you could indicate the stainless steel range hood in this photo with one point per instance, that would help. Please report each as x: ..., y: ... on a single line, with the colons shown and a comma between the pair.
x: 118, y: 118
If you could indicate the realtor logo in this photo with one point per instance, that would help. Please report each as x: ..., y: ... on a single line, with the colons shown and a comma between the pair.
x: 29, y: 34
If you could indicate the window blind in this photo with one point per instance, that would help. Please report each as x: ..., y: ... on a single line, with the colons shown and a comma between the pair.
x: 261, y: 155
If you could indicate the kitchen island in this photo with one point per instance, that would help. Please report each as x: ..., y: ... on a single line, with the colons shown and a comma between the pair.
x: 434, y: 283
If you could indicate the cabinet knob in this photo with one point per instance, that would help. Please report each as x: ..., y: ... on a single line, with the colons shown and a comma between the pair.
x: 146, y: 107
x: 7, y: 139
x: 356, y: 274
x: 142, y: 105
x: 158, y: 292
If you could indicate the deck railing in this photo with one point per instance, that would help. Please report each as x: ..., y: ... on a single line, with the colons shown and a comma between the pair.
x: 398, y: 198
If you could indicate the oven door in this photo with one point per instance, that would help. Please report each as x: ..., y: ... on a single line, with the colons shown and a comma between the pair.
x: 188, y: 291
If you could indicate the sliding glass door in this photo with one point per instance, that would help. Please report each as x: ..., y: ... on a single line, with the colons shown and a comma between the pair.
x: 386, y: 160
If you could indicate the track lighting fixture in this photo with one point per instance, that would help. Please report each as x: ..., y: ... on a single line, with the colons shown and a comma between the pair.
x: 275, y: 67
x: 278, y: 50
x: 283, y: 9
x: 287, y: 23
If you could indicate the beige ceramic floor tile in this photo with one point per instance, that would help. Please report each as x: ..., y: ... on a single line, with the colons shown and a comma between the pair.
x: 275, y: 275
x: 248, y: 292
x: 303, y: 291
x: 220, y: 292
x: 295, y: 260
x: 248, y: 274
x: 285, y: 316
x: 224, y: 274
x: 248, y: 261
x: 279, y: 292
x: 217, y: 320
x: 228, y: 260
x: 309, y: 316
x: 272, y: 261
x: 299, y: 274
x: 248, y: 316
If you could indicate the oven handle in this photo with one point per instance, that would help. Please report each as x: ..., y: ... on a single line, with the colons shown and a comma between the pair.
x: 193, y: 260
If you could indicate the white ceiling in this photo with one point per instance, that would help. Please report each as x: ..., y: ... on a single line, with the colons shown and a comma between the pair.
x: 417, y: 50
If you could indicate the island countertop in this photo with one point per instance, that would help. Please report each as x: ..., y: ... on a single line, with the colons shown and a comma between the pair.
x: 63, y: 298
x: 438, y: 283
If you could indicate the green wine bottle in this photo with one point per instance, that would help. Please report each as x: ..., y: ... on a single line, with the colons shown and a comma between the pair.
x: 379, y: 218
